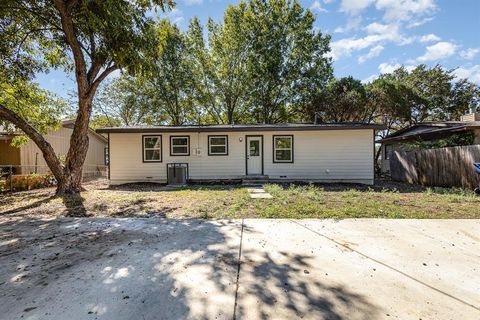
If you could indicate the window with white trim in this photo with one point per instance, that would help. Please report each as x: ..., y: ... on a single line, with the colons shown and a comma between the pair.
x: 217, y: 145
x: 282, y: 148
x: 152, y: 148
x: 180, y: 146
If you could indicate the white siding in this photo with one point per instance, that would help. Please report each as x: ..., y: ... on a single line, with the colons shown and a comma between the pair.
x: 32, y: 157
x: 323, y: 155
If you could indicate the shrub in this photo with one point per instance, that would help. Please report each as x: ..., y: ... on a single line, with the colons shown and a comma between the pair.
x: 28, y: 182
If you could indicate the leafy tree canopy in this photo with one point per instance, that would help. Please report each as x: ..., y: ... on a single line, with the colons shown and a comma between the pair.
x: 90, y: 38
x: 40, y: 107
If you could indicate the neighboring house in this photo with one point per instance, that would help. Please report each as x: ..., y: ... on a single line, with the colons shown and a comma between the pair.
x: 29, y: 159
x: 428, y: 131
x: 339, y: 152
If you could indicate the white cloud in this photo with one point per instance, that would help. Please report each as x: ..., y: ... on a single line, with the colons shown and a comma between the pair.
x: 192, y: 2
x: 370, y: 78
x: 416, y: 11
x: 374, y: 52
x: 411, y: 13
x: 388, y: 68
x: 377, y: 28
x: 175, y: 16
x: 438, y: 51
x: 405, y: 10
x: 353, y: 23
x: 355, y: 6
x: 345, y: 47
x: 471, y: 73
x: 429, y: 38
x: 417, y: 23
x: 469, y: 54
x: 317, y: 6
x: 378, y: 34
x: 328, y: 1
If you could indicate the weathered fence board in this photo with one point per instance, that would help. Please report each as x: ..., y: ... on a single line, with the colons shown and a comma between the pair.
x: 442, y: 167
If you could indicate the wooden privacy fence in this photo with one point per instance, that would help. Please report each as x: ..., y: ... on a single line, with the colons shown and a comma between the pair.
x: 442, y: 167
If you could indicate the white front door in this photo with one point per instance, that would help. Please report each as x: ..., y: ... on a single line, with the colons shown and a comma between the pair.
x: 254, y: 155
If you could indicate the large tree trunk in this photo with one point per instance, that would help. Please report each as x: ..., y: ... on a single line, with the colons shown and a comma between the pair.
x: 78, y: 148
x: 69, y: 177
x: 49, y: 155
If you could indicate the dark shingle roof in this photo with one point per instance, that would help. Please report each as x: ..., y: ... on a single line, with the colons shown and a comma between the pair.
x: 244, y: 127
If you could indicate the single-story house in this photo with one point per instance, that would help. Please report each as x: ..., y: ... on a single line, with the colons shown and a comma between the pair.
x: 328, y: 152
x: 428, y: 131
x: 29, y: 159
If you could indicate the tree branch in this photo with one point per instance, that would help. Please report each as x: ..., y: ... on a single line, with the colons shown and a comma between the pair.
x: 71, y: 4
x: 94, y: 70
x: 101, y: 77
x: 48, y: 153
x: 71, y: 37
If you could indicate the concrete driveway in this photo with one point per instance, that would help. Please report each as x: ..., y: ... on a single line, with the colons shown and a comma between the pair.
x: 93, y: 268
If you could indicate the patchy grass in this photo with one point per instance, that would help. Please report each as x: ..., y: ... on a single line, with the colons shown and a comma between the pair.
x: 293, y: 201
x: 313, y: 202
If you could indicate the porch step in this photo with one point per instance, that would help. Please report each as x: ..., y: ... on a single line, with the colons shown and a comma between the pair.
x: 254, y: 180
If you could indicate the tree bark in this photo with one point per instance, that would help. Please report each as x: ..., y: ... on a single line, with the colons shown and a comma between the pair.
x: 78, y: 147
x: 49, y: 155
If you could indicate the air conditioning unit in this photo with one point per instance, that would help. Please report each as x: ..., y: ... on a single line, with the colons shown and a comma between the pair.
x: 177, y: 173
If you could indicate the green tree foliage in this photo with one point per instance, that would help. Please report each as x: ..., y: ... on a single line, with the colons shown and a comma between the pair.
x: 229, y: 50
x: 263, y: 63
x: 171, y: 80
x: 459, y: 139
x: 40, y: 107
x: 89, y: 38
x: 391, y: 102
x: 286, y: 58
x: 204, y: 75
x: 439, y: 95
x: 124, y: 101
x: 343, y: 100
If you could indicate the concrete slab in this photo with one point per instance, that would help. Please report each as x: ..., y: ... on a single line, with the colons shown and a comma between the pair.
x: 92, y: 268
x: 360, y: 269
x: 260, y: 195
x: 118, y: 269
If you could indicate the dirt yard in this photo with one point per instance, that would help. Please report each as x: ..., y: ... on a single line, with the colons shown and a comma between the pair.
x: 384, y: 200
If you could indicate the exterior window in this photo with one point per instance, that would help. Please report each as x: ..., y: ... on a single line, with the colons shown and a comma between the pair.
x: 255, y: 148
x: 282, y: 148
x: 180, y: 146
x: 388, y: 151
x: 152, y: 148
x: 217, y: 145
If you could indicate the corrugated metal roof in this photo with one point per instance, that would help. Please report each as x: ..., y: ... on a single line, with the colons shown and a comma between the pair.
x: 431, y: 130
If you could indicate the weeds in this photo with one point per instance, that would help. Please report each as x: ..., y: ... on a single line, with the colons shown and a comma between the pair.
x: 294, y: 201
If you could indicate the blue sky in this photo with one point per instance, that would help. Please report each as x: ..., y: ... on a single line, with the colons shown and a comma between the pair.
x: 368, y: 36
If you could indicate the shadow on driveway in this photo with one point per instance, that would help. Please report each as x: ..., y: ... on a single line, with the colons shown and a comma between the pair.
x: 104, y: 268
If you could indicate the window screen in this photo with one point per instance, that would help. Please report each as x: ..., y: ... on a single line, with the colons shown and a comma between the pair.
x: 152, y: 148
x: 180, y: 146
x: 282, y: 148
x: 217, y: 145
